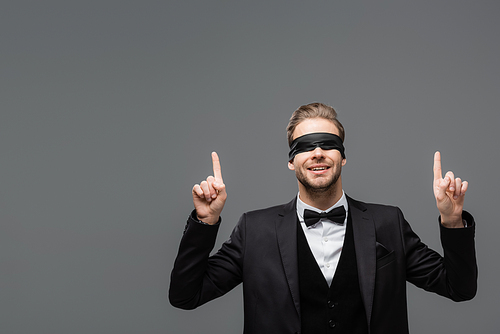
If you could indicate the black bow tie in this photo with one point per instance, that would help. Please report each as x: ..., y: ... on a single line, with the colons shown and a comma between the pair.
x: 336, y: 215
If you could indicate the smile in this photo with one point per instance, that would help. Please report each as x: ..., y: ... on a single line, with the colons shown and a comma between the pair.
x: 318, y: 169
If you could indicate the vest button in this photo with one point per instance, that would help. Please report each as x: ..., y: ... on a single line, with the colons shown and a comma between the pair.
x: 331, y: 304
x: 332, y: 323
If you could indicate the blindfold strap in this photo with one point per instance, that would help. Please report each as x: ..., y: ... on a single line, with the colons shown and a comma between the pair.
x: 310, y: 141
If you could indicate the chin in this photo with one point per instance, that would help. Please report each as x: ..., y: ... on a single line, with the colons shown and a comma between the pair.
x: 319, y: 187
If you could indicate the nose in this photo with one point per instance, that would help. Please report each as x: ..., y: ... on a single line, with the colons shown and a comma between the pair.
x: 318, y: 152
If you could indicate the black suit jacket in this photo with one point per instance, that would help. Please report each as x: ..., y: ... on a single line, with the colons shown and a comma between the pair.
x: 262, y: 254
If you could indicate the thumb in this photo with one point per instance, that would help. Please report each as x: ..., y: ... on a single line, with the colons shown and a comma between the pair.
x: 441, y: 186
x: 220, y: 187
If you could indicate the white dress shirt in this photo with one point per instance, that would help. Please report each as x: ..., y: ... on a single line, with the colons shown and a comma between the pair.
x: 325, y: 238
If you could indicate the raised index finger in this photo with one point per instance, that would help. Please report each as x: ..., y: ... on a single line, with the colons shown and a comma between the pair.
x: 437, y: 166
x: 216, y: 166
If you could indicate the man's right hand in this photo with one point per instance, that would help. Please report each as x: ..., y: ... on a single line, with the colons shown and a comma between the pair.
x: 210, y: 195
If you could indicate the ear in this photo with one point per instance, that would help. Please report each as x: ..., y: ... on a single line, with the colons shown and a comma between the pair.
x: 344, y: 161
x: 290, y: 165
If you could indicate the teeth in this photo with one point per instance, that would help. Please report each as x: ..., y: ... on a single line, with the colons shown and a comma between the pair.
x: 319, y: 168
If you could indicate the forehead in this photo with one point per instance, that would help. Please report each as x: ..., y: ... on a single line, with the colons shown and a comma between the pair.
x: 312, y: 125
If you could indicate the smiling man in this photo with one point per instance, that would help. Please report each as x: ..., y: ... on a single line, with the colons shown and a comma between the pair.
x: 324, y: 262
x: 316, y: 166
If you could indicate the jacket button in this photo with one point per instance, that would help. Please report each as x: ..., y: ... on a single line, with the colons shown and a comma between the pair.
x: 332, y: 323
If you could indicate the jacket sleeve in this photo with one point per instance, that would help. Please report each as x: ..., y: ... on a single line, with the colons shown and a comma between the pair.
x: 198, y: 277
x: 453, y: 275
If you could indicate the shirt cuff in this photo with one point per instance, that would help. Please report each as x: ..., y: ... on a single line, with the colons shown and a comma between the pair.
x: 467, y: 220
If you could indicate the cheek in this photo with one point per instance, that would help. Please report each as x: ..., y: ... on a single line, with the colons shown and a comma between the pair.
x: 336, y: 156
x: 297, y: 161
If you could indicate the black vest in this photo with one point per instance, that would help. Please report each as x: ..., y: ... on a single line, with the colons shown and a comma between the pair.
x: 335, y: 309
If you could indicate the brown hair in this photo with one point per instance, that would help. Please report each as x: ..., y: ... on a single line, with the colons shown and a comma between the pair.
x: 313, y: 110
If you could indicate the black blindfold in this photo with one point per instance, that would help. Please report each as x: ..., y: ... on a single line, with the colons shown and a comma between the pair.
x: 309, y: 142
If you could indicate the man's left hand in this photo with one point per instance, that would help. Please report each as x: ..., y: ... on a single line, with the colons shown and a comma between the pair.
x: 450, y: 194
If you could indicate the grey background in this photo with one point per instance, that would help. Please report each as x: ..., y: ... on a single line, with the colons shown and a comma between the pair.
x: 109, y: 112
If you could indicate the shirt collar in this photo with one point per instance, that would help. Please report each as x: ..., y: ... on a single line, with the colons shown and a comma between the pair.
x: 301, y: 206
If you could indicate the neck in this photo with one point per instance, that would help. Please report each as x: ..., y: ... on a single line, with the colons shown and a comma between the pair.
x: 322, y: 200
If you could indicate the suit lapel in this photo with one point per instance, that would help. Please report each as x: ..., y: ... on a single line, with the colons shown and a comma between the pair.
x: 286, y: 232
x: 364, y: 244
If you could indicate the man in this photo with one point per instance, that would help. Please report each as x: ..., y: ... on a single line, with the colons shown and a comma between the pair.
x: 324, y: 262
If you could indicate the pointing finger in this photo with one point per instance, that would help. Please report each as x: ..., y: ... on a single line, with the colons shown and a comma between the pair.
x: 216, y: 167
x: 437, y: 166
